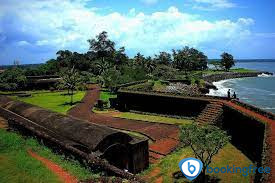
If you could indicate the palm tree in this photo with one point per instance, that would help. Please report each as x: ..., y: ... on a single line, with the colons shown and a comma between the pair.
x: 101, y: 67
x: 102, y: 46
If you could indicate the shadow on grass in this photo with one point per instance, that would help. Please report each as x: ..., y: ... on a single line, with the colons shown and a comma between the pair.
x: 70, y: 104
x: 178, y: 177
x: 66, y: 94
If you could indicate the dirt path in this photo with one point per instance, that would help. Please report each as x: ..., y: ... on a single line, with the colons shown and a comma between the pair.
x: 83, y: 110
x: 165, y: 137
x: 62, y: 174
x: 3, y: 123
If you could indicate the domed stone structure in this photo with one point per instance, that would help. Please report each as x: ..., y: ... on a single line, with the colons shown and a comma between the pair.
x: 119, y: 149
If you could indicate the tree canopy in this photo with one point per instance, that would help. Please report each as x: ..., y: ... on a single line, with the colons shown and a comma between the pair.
x: 12, y: 79
x: 205, y: 141
x: 227, y: 61
x: 102, y: 46
x: 104, y: 62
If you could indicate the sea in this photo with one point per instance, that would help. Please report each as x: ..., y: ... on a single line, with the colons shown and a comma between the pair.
x: 258, y: 91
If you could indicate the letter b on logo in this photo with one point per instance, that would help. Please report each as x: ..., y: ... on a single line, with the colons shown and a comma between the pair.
x: 190, y: 167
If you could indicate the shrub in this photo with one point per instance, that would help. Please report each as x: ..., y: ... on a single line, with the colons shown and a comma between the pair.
x: 12, y: 79
x: 164, y: 72
x: 148, y: 86
x: 101, y: 104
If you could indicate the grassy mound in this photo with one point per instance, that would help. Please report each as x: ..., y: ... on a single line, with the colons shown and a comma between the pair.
x: 16, y: 165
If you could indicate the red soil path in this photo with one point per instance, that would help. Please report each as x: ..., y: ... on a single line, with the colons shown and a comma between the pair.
x: 3, y: 123
x: 165, y: 137
x: 62, y: 174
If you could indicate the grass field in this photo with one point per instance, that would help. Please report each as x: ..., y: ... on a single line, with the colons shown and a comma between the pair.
x: 229, y: 155
x: 211, y: 71
x: 55, y: 101
x: 16, y: 165
x: 152, y: 118
x: 105, y: 96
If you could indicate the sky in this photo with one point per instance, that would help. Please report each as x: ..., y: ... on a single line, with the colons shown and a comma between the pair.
x: 32, y: 31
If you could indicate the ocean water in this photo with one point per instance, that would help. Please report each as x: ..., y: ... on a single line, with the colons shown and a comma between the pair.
x: 258, y: 91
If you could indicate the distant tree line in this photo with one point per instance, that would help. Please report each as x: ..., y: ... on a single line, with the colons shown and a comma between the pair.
x: 105, y: 64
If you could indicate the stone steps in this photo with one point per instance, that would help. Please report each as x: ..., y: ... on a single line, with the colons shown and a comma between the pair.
x: 210, y: 114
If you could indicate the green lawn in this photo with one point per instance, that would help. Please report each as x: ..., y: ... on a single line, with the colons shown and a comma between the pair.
x: 229, y: 155
x: 16, y: 165
x: 240, y: 70
x: 159, y: 86
x: 55, y: 101
x: 153, y: 118
x: 212, y: 71
x: 105, y: 96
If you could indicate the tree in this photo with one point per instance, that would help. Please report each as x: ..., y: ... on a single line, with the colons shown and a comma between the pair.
x: 205, y: 141
x: 188, y: 59
x: 102, y: 46
x: 182, y: 59
x: 70, y: 80
x: 99, y: 67
x: 64, y: 58
x: 201, y: 61
x: 120, y: 56
x: 164, y: 72
x: 216, y: 64
x: 163, y: 58
x: 150, y: 65
x: 139, y: 60
x: 12, y: 79
x: 80, y: 61
x: 227, y: 61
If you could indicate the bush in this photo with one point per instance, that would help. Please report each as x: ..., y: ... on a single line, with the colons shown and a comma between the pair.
x: 148, y: 86
x: 164, y: 72
x: 101, y: 105
x: 12, y: 79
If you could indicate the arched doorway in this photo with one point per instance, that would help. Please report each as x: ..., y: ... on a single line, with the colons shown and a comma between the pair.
x: 117, y: 155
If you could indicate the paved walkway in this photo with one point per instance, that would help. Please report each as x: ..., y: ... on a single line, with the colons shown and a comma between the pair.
x: 165, y: 137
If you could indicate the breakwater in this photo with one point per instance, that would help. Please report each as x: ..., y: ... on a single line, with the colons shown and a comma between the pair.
x: 231, y: 75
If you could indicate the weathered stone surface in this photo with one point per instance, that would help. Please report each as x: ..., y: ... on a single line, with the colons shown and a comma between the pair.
x: 117, y: 148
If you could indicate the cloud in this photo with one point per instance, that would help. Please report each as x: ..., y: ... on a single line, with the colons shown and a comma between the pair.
x: 265, y: 34
x: 23, y: 43
x: 210, y: 5
x: 149, y: 2
x: 53, y: 25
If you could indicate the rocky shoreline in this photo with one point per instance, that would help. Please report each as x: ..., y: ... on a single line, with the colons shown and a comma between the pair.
x: 231, y: 75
